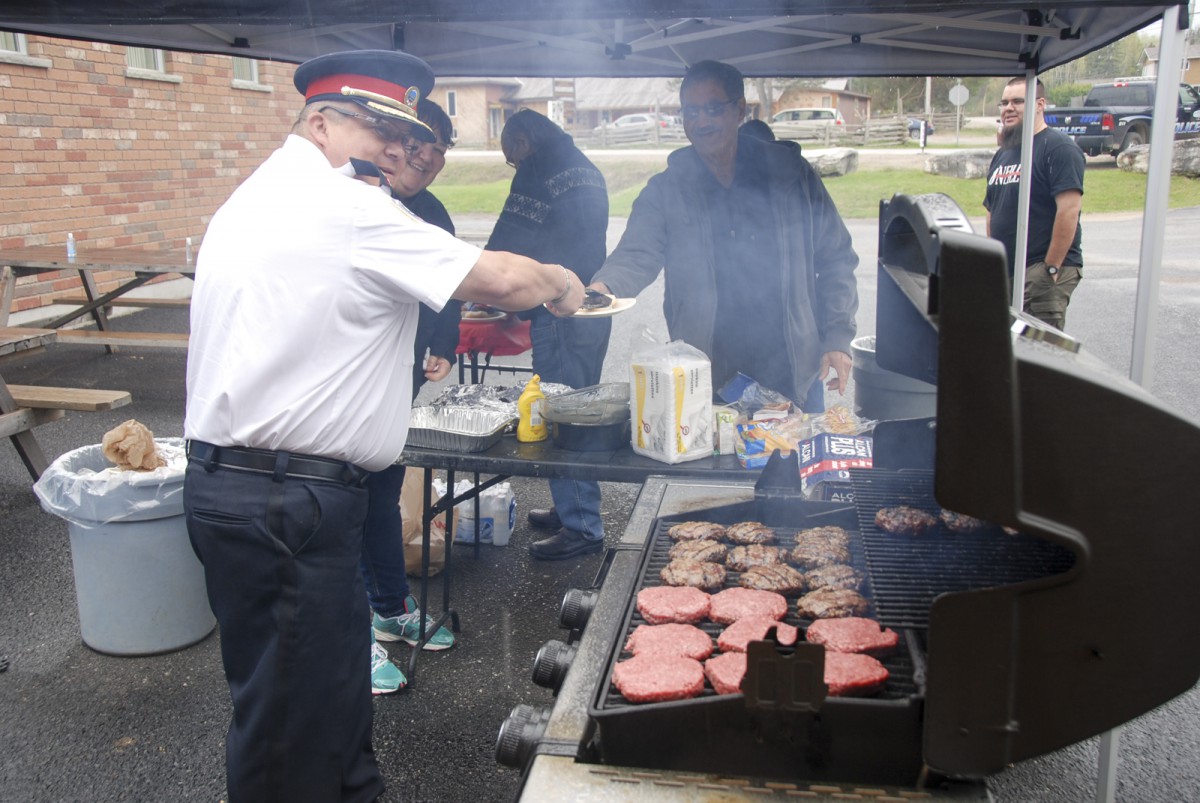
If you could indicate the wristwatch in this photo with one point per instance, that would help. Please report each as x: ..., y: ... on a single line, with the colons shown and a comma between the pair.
x: 1052, y: 270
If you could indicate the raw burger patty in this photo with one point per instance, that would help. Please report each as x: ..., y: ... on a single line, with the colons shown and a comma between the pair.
x: 754, y: 628
x: 662, y: 604
x: 687, y: 641
x: 656, y: 678
x: 851, y: 675
x: 905, y: 520
x: 732, y: 604
x: 830, y: 603
x: 837, y: 575
x: 749, y: 532
x: 851, y: 634
x: 741, y: 558
x: 701, y: 549
x: 694, y: 573
x: 782, y: 579
x: 695, y: 530
x: 725, y: 672
x: 828, y: 535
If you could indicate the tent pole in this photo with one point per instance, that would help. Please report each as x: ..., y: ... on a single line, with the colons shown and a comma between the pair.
x: 1158, y: 182
x: 1022, y: 247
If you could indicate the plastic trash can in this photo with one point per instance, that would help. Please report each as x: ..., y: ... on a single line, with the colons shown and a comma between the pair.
x: 139, y: 585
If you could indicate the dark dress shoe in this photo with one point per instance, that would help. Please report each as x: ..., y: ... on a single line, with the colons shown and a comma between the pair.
x: 564, y: 544
x: 545, y: 519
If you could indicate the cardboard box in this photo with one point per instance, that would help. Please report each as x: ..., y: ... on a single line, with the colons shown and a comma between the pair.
x: 829, y: 458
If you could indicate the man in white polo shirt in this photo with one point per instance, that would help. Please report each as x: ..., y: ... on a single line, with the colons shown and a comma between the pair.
x: 299, y: 373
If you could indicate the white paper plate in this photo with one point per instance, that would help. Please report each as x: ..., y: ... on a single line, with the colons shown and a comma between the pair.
x: 618, y: 305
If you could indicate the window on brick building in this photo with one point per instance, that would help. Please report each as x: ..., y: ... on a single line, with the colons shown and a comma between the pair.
x: 13, y: 42
x: 452, y: 103
x: 245, y: 69
x: 144, y: 58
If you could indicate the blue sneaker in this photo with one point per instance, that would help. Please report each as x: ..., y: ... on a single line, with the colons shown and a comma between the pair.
x: 386, y: 677
x: 407, y: 628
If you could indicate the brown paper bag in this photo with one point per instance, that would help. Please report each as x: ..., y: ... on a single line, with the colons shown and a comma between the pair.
x: 412, y: 511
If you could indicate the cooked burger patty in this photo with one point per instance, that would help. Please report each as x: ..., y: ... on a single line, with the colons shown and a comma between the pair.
x: 654, y: 678
x: 736, y: 636
x: 905, y: 520
x: 829, y: 535
x: 960, y: 522
x: 687, y: 641
x: 702, y: 549
x: 749, y: 532
x: 662, y: 604
x: 725, y: 672
x: 815, y: 553
x: 780, y: 578
x: 741, y: 558
x: 837, y: 575
x: 695, y: 530
x: 851, y: 675
x: 852, y: 634
x: 732, y: 604
x: 830, y: 603
x: 694, y: 573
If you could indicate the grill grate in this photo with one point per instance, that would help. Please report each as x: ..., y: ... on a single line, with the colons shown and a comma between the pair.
x: 901, y: 684
x: 909, y: 572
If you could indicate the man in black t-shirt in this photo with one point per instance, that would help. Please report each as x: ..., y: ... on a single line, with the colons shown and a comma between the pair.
x: 1054, y: 261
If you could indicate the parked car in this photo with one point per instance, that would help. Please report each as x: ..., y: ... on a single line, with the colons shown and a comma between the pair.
x: 806, y: 123
x: 914, y: 128
x: 1116, y: 115
x: 634, y: 122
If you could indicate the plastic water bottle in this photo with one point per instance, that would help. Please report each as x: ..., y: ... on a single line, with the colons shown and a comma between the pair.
x: 70, y: 246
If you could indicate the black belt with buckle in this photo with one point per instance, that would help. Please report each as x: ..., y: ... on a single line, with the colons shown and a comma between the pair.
x: 279, y: 464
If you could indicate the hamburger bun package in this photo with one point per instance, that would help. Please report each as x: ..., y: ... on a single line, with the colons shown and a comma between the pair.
x: 671, y: 403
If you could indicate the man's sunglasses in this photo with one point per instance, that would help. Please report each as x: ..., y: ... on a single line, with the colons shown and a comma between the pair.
x: 386, y: 130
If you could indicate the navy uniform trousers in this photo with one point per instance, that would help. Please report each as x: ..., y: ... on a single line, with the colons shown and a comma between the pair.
x: 280, y: 557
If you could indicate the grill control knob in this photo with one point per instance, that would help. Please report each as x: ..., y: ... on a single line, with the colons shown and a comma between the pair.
x: 576, y: 608
x: 520, y: 734
x: 551, y: 664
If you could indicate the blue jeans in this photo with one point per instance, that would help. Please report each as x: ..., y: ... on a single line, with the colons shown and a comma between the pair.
x: 570, y: 351
x: 382, y: 561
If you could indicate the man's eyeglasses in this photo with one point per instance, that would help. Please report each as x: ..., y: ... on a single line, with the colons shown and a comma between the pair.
x: 386, y: 130
x: 714, y: 109
x: 1011, y: 102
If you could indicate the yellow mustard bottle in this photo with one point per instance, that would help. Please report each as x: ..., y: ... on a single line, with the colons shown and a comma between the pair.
x: 532, y: 426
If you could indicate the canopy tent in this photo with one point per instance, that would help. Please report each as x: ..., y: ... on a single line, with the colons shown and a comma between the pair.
x: 629, y: 38
x: 566, y: 38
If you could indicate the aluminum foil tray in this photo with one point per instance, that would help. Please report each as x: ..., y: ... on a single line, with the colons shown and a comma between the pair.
x: 459, y: 429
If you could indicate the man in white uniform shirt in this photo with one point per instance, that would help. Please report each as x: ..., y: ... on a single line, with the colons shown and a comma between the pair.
x: 299, y: 372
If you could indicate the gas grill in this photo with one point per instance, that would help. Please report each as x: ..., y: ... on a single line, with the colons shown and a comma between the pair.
x: 1013, y: 644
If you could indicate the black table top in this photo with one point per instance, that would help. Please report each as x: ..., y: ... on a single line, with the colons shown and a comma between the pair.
x: 509, y: 457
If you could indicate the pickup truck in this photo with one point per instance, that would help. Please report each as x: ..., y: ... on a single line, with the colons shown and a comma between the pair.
x: 1117, y: 115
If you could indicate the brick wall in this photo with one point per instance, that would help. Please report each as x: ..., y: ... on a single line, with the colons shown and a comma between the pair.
x: 123, y: 161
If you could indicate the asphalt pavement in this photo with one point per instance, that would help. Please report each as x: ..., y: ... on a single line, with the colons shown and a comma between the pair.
x: 81, y: 726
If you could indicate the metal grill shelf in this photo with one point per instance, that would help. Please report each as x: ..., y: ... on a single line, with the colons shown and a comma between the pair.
x: 909, y: 572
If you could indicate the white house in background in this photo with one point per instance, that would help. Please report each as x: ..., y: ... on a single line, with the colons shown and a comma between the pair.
x: 480, y: 106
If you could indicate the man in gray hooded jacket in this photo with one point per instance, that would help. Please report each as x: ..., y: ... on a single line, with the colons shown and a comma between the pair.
x: 759, y: 265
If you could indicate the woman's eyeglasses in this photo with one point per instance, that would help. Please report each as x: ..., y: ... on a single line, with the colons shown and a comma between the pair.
x: 714, y: 109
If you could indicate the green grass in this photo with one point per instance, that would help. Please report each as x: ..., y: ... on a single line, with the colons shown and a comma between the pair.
x: 482, y: 187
